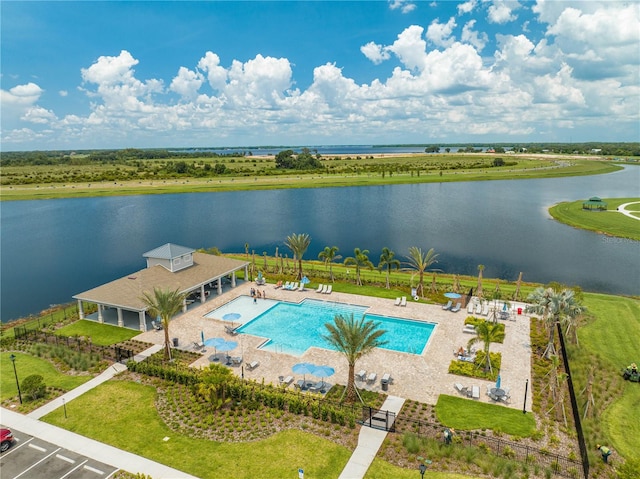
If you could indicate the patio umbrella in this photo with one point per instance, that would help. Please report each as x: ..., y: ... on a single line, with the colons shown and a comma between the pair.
x: 323, y: 372
x: 304, y: 369
x: 305, y: 280
x: 214, y: 343
x: 498, y: 381
x: 202, y: 337
x: 227, y: 346
x: 232, y: 317
x: 452, y: 295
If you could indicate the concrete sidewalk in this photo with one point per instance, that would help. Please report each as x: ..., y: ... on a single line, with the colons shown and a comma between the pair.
x: 101, y: 378
x: 369, y: 442
x: 89, y: 447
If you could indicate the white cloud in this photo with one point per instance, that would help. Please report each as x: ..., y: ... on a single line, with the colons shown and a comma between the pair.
x: 405, y: 6
x: 410, y: 47
x: 216, y: 74
x: 63, y: 93
x: 467, y: 7
x: 187, y: 83
x: 374, y: 52
x: 475, y: 38
x: 501, y: 11
x: 38, y: 114
x: 23, y: 95
x: 440, y: 33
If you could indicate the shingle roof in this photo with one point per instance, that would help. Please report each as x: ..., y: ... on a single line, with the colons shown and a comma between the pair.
x: 127, y: 291
x: 168, y: 251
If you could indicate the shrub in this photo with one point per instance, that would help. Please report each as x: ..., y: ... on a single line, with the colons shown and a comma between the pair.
x: 33, y: 387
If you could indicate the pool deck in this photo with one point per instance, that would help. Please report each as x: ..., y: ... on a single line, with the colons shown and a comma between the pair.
x: 419, y: 377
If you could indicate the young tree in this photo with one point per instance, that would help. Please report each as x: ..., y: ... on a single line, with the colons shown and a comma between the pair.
x: 360, y: 259
x: 328, y: 255
x: 487, y: 333
x: 298, y: 244
x: 33, y: 387
x: 420, y: 262
x: 164, y: 303
x: 479, y: 287
x: 354, y: 339
x: 388, y: 261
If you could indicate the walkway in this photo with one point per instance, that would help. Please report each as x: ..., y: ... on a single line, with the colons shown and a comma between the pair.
x: 369, y: 442
x: 30, y: 424
x: 631, y: 214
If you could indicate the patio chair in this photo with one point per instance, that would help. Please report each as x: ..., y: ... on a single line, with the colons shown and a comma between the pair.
x: 478, y: 308
x: 475, y: 392
x: 329, y: 289
x: 198, y: 346
x: 252, y: 365
x: 456, y: 308
x: 324, y: 289
x: 397, y: 303
x: 157, y: 325
x: 293, y: 286
x: 319, y: 290
x: 470, y: 307
x: 286, y: 285
x: 301, y: 288
x: 460, y: 388
x: 386, y: 378
x: 448, y: 305
x: 485, y: 308
x: 230, y: 330
x: 371, y: 378
x: 469, y: 329
x: 361, y: 375
x: 403, y: 301
x: 236, y: 360
x: 288, y: 380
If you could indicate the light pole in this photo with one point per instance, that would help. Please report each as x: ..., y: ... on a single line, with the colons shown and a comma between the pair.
x: 422, y: 469
x: 524, y: 405
x: 13, y: 360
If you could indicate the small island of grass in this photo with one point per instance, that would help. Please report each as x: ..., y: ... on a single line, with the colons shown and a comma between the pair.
x: 610, y: 221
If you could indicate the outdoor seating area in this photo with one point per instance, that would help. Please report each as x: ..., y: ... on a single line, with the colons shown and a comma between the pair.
x: 463, y: 354
x: 324, y: 289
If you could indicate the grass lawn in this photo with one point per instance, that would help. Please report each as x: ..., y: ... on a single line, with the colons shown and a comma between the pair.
x: 609, y: 222
x: 611, y: 343
x: 383, y: 470
x: 122, y: 414
x: 100, y: 334
x: 465, y: 414
x: 27, y: 365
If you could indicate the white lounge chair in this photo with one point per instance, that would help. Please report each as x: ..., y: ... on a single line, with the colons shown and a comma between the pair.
x: 485, y: 309
x: 403, y: 301
x: 398, y: 299
x: 371, y: 378
x: 386, y: 377
x: 470, y: 307
x: 253, y: 364
x: 361, y: 375
x: 470, y: 329
x: 319, y: 290
x: 475, y: 392
x: 456, y: 308
x: 293, y: 286
x: 329, y: 289
x: 460, y: 388
x: 301, y: 288
x: 286, y: 285
x: 448, y: 305
x: 324, y: 289
x: 288, y: 380
x: 478, y: 308
x: 237, y: 360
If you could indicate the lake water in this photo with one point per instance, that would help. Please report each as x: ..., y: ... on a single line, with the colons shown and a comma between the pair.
x: 53, y: 249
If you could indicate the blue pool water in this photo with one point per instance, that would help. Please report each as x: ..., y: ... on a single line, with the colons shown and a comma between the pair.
x: 295, y: 327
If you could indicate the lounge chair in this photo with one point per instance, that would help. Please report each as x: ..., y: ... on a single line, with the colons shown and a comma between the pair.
x: 478, y: 308
x: 278, y: 285
x: 198, y: 346
x: 371, y: 378
x: 485, y: 308
x: 456, y: 308
x: 319, y: 290
x: 301, y: 288
x: 460, y: 388
x: 252, y: 365
x: 236, y: 360
x: 361, y: 375
x: 293, y: 286
x: 157, y: 325
x: 286, y: 285
x: 386, y: 378
x: 475, y: 392
x: 398, y: 299
x: 403, y: 301
x: 470, y: 329
x: 470, y: 307
x: 232, y: 331
x: 329, y: 289
x: 288, y: 380
x: 448, y: 305
x: 324, y: 289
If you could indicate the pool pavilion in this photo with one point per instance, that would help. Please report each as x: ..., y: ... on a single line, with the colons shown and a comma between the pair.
x: 171, y: 267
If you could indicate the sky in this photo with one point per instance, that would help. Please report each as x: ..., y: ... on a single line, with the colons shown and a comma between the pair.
x: 158, y: 74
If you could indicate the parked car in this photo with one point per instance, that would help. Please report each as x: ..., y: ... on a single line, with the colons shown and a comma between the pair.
x: 6, y: 439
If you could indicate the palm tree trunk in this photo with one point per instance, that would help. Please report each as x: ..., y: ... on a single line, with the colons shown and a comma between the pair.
x: 167, y: 346
x: 300, y: 268
x: 388, y: 287
x: 351, y: 388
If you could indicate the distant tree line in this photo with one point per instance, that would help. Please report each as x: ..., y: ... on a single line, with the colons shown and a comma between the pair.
x: 601, y: 149
x: 288, y: 159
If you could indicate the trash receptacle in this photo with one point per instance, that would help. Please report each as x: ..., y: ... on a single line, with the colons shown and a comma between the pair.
x: 385, y: 384
x: 519, y: 310
x: 175, y: 342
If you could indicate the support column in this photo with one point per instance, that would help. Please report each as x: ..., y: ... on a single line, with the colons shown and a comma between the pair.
x: 80, y: 310
x: 143, y: 322
x: 219, y: 286
x: 100, y: 318
x: 203, y: 298
x: 120, y: 318
x: 184, y: 305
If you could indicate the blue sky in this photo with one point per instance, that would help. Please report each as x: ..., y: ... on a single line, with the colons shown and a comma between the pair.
x: 80, y: 75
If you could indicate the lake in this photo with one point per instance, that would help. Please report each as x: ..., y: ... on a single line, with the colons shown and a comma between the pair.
x: 53, y: 249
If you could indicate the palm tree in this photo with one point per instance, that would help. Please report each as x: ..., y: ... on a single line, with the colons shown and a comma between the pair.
x: 360, y: 259
x: 420, y: 262
x: 554, y: 307
x: 328, y: 255
x: 354, y: 339
x: 479, y: 288
x: 298, y: 244
x: 487, y: 333
x: 164, y: 303
x: 388, y: 262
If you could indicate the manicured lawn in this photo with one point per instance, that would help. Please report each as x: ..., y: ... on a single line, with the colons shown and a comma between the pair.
x: 100, y: 334
x: 465, y: 414
x: 609, y: 222
x: 27, y: 365
x: 383, y: 470
x: 122, y: 414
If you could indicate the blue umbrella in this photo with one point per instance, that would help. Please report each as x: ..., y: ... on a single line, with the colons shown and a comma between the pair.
x: 323, y: 372
x: 305, y: 280
x: 214, y: 343
x: 202, y: 337
x: 498, y: 382
x: 452, y: 295
x: 231, y: 316
x: 227, y: 346
x: 304, y: 369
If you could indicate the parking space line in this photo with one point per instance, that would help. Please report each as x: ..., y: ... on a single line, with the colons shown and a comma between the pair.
x: 37, y: 448
x: 14, y: 449
x: 34, y: 465
x: 93, y: 469
x: 75, y: 468
x: 64, y: 458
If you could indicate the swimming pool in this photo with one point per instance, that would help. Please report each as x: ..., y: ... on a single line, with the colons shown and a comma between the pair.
x: 295, y: 327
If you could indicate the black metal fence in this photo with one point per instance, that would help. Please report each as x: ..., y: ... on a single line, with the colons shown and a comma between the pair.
x: 378, y: 418
x: 558, y: 464
x: 109, y: 353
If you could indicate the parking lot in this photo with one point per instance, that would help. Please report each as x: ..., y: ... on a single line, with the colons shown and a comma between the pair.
x: 33, y: 458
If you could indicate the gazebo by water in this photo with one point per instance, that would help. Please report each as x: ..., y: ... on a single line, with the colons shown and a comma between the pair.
x: 594, y: 203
